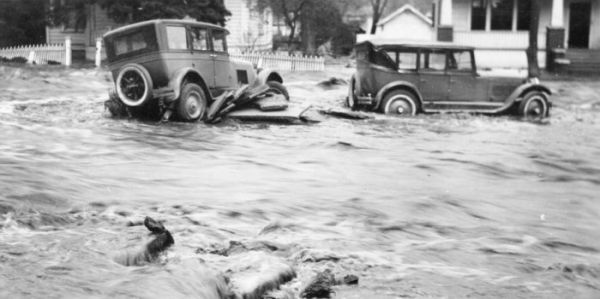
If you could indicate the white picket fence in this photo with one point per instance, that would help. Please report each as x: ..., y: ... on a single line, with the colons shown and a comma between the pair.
x: 282, y: 62
x: 40, y: 54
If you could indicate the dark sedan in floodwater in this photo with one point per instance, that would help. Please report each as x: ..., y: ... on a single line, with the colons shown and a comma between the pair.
x: 177, y: 65
x: 395, y: 77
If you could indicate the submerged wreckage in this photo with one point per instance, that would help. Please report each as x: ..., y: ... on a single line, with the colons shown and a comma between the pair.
x: 181, y: 69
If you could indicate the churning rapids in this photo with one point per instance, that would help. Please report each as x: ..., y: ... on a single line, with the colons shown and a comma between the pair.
x: 449, y: 205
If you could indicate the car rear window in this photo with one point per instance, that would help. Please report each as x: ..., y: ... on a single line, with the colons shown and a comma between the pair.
x: 137, y: 41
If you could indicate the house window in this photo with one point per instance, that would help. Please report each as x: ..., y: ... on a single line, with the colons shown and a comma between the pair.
x: 523, y: 14
x: 499, y: 15
x: 502, y: 14
x: 70, y: 14
x: 478, y: 8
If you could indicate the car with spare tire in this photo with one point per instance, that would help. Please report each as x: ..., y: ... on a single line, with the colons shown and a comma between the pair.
x: 179, y: 66
x: 406, y: 78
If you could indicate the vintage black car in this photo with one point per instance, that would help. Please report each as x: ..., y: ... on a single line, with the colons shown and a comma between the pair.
x: 177, y: 65
x: 406, y: 78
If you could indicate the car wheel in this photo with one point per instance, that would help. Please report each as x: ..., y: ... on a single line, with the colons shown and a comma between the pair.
x: 351, y: 98
x: 134, y: 85
x: 399, y: 102
x: 192, y: 103
x: 278, y: 88
x: 534, y: 106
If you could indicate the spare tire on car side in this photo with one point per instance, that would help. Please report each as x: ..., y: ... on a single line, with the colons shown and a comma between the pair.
x: 134, y: 85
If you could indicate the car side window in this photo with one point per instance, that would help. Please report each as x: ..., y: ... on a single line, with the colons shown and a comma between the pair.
x: 437, y: 61
x: 177, y: 38
x: 219, y: 41
x: 407, y: 61
x: 432, y: 61
x: 200, y: 39
x: 460, y: 61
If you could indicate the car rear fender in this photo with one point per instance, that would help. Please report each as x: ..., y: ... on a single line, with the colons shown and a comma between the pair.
x: 190, y: 75
x: 266, y: 75
x: 405, y: 85
x: 518, y: 93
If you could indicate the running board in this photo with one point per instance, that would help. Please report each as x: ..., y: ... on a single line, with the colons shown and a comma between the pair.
x: 462, y: 106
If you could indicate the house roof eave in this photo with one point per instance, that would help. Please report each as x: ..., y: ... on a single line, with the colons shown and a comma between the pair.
x: 401, y: 10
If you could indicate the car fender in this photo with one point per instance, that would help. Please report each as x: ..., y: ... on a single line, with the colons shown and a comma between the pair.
x: 515, y: 96
x: 397, y: 85
x: 265, y: 75
x: 177, y: 80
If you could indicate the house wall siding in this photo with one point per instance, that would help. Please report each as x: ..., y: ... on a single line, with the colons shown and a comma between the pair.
x: 510, y: 45
x: 249, y: 29
x: 56, y: 35
x: 407, y: 26
x: 98, y: 24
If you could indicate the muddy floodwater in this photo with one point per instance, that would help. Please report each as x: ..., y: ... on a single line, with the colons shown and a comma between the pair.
x: 436, y: 206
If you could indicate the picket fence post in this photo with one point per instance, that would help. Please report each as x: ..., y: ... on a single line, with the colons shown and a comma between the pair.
x: 68, y: 57
x: 98, y: 52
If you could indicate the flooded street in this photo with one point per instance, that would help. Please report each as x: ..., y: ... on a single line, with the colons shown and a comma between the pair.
x: 449, y: 206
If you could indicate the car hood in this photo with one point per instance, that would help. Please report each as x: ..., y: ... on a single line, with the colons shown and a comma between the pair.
x: 241, y: 64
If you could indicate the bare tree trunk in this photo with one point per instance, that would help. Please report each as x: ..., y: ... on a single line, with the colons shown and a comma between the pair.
x: 532, y: 51
x: 291, y: 37
x: 378, y: 7
x: 308, y: 36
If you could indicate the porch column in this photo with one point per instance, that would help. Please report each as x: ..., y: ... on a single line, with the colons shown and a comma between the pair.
x: 558, y: 7
x: 445, y: 30
x: 555, y: 34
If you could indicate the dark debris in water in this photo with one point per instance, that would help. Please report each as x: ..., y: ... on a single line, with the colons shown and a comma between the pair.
x: 162, y: 240
x: 581, y: 270
x: 559, y: 245
x: 322, y: 285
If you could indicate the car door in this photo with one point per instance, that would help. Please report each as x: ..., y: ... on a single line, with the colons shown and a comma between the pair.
x: 223, y: 73
x: 433, y: 80
x: 465, y: 85
x: 203, y: 61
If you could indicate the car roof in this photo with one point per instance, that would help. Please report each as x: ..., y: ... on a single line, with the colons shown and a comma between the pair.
x: 380, y: 43
x: 164, y: 21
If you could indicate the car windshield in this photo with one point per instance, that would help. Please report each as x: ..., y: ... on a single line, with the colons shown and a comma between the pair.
x: 140, y: 40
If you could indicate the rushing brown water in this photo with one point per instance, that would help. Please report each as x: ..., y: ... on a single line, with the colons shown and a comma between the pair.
x: 434, y: 206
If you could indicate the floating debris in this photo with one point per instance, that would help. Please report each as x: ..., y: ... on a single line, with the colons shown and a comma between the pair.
x: 322, y: 285
x: 151, y: 251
